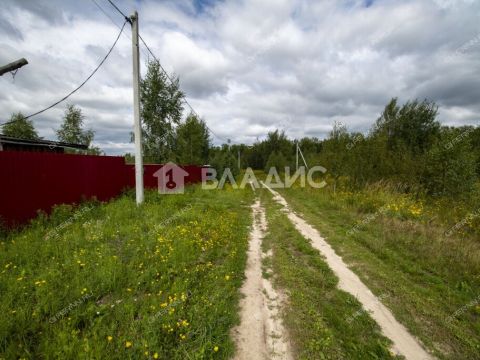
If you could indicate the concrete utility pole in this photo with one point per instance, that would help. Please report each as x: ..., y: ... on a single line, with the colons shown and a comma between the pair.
x: 303, y: 158
x: 296, y: 155
x: 136, y: 111
x: 13, y: 66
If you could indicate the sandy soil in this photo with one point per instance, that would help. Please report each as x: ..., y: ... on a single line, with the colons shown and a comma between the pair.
x: 261, y: 334
x: 403, y: 342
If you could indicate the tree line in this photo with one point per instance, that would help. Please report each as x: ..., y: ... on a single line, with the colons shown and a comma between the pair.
x: 406, y: 145
x: 71, y: 130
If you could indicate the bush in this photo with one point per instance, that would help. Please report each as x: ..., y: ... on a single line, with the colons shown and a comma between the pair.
x: 276, y: 160
x: 450, y: 168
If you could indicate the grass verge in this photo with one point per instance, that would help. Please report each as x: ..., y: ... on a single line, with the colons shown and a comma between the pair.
x: 323, y: 321
x: 430, y: 281
x: 113, y: 281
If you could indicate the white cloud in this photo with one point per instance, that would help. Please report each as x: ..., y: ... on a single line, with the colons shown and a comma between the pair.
x: 247, y: 67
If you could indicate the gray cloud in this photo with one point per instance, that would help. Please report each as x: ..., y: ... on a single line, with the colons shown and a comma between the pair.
x: 247, y: 67
x: 9, y: 30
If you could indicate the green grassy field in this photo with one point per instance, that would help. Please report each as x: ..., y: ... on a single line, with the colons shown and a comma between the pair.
x: 110, y: 281
x: 323, y: 321
x: 429, y: 279
x: 162, y: 281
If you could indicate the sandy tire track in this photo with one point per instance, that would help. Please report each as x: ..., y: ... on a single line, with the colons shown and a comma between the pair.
x: 261, y: 334
x: 403, y: 342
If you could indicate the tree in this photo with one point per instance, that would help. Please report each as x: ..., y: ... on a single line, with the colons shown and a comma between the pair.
x: 192, y: 141
x: 412, y: 125
x: 129, y: 158
x: 255, y: 156
x: 276, y: 160
x: 450, y: 165
x: 475, y: 141
x: 222, y: 158
x: 20, y: 127
x: 335, y: 152
x: 277, y: 142
x: 160, y: 110
x: 310, y: 148
x: 71, y: 131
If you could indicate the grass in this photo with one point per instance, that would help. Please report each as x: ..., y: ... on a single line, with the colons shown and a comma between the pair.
x: 429, y: 280
x: 113, y: 281
x: 323, y: 321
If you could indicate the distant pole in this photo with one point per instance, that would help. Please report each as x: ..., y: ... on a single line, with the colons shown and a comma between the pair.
x: 296, y: 155
x: 136, y: 111
x: 303, y: 158
x: 13, y: 66
x: 239, y: 167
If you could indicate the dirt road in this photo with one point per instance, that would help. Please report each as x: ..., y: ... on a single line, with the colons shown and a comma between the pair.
x: 261, y: 334
x: 403, y: 342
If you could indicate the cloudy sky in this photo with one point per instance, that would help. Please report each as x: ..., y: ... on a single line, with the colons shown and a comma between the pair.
x: 248, y: 66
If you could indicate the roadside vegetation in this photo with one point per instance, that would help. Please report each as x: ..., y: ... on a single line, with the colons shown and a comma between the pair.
x: 113, y: 281
x: 420, y: 256
x: 323, y: 322
x: 401, y: 207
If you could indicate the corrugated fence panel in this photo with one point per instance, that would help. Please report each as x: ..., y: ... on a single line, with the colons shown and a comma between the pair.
x: 194, y: 174
x: 31, y: 181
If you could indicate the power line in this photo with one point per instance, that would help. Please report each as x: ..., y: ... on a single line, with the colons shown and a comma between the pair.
x: 105, y: 13
x: 114, y: 23
x: 86, y: 80
x: 78, y: 87
x: 166, y: 74
x: 184, y: 98
x: 169, y: 78
x: 120, y: 11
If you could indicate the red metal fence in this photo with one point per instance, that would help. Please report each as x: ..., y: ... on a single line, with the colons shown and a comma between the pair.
x: 32, y: 181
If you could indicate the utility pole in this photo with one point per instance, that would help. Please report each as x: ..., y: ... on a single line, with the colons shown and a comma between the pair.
x: 303, y: 158
x: 239, y: 166
x: 136, y: 111
x: 296, y: 155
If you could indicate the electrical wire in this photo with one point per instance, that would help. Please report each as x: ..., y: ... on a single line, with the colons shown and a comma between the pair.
x: 86, y: 80
x: 120, y: 11
x: 106, y: 14
x: 78, y: 87
x: 114, y: 23
x: 127, y: 19
x: 184, y: 98
x: 168, y: 76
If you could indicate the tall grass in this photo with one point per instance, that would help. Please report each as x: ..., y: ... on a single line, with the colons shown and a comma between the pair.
x: 323, y: 321
x: 401, y: 246
x: 113, y: 281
